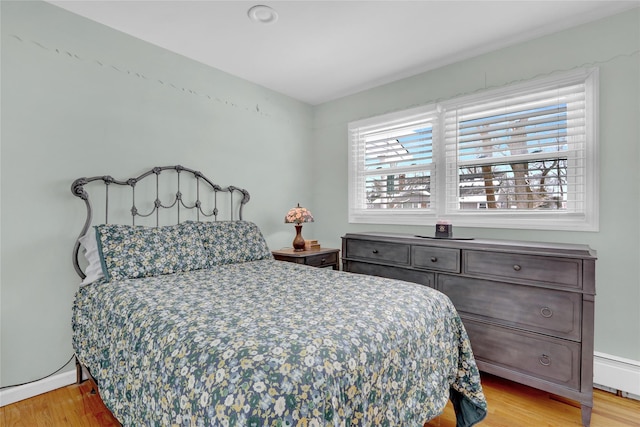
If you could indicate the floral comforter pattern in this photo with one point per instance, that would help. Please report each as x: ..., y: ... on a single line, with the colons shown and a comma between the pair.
x: 269, y: 343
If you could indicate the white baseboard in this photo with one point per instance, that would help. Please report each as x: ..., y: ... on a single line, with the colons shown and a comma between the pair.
x: 611, y: 373
x: 615, y: 374
x: 15, y: 394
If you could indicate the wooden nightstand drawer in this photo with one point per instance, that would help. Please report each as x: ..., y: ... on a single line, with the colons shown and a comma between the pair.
x: 322, y: 260
x: 539, y: 356
x: 530, y: 268
x: 325, y: 257
x: 550, y: 312
x: 434, y: 258
x: 393, y: 253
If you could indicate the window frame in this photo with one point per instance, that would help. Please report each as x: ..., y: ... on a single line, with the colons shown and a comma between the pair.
x: 443, y: 168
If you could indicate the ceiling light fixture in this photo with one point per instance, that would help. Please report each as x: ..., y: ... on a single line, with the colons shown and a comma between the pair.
x: 262, y: 14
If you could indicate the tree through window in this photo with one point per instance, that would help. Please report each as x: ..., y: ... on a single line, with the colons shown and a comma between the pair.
x: 521, y: 156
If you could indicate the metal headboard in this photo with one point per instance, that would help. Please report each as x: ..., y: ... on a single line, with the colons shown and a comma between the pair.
x: 78, y: 190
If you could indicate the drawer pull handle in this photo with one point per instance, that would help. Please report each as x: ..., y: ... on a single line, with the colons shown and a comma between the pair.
x: 517, y: 267
x: 323, y: 260
x: 375, y: 251
x: 434, y: 259
x: 545, y: 360
x: 546, y: 312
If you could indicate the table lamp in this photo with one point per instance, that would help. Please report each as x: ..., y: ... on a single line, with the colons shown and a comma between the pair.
x: 297, y: 216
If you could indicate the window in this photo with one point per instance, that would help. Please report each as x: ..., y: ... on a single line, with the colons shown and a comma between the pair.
x: 394, y: 163
x: 523, y: 156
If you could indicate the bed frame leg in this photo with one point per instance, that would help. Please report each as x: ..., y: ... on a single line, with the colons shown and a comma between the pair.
x: 78, y: 372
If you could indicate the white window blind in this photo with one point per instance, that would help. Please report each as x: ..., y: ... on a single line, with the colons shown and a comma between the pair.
x: 524, y: 152
x: 523, y: 156
x: 393, y: 160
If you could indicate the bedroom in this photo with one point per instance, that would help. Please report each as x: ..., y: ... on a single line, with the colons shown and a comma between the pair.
x: 65, y: 117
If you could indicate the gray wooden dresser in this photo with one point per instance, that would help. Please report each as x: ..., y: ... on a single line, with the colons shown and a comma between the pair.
x: 528, y: 307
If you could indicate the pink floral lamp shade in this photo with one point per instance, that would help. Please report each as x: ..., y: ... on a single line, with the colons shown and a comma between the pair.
x: 297, y: 216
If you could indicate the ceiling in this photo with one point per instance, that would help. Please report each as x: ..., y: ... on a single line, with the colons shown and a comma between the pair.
x: 317, y: 51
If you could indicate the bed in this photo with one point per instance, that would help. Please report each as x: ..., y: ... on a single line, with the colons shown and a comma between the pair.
x: 195, y: 324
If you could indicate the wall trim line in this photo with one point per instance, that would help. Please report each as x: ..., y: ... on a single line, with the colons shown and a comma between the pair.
x: 15, y: 394
x: 617, y: 374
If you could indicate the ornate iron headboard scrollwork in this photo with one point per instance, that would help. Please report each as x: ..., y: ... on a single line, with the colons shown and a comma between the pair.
x: 202, y: 183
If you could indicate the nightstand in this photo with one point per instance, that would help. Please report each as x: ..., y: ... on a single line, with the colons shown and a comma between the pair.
x: 326, y: 257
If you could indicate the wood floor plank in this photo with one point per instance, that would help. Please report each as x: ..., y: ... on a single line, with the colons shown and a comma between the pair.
x: 510, y: 405
x: 514, y: 405
x: 77, y: 405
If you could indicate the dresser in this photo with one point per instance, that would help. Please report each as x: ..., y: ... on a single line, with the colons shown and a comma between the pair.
x: 528, y: 307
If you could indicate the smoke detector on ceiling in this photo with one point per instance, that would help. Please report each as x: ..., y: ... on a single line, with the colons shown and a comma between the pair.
x: 263, y: 14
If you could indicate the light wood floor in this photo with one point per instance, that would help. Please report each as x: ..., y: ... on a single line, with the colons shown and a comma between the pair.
x: 510, y: 405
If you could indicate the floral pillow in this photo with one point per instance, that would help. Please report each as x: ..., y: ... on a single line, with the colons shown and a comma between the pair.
x: 134, y: 251
x: 228, y: 242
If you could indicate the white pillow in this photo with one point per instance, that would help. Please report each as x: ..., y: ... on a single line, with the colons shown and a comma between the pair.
x: 90, y: 245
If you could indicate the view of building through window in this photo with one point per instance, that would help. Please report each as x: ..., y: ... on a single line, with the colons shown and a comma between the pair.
x: 521, y: 151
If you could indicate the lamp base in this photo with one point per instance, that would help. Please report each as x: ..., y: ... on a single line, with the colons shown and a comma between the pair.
x: 298, y: 241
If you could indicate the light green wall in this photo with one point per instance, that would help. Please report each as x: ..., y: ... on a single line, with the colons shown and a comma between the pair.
x: 80, y: 99
x: 104, y: 102
x: 612, y: 44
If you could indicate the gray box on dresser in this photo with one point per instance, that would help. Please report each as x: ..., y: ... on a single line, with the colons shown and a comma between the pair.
x: 528, y: 307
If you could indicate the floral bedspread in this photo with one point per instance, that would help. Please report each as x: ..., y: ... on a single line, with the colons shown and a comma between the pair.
x: 270, y: 343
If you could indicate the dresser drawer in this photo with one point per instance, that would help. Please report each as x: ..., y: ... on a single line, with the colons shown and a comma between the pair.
x: 440, y: 259
x: 547, y: 358
x: 322, y: 260
x: 394, y: 253
x: 415, y: 276
x: 556, y: 313
x: 524, y: 268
